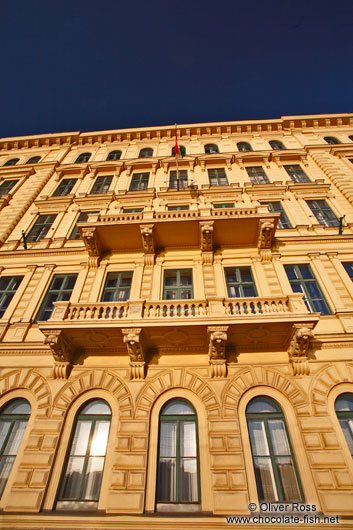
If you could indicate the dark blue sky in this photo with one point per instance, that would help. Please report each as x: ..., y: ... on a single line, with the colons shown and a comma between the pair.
x: 89, y: 65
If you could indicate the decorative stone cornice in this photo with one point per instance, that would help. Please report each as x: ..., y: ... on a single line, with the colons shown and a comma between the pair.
x: 299, y: 347
x: 132, y: 339
x: 217, y: 350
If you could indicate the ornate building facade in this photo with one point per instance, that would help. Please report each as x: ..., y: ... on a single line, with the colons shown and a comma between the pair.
x: 176, y: 343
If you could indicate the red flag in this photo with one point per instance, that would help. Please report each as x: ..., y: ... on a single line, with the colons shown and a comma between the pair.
x: 177, y: 153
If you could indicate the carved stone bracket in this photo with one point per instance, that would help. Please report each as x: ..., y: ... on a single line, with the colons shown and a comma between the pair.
x: 147, y: 239
x: 206, y: 230
x: 217, y: 350
x: 267, y: 230
x: 89, y: 236
x: 132, y: 339
x: 62, y: 352
x: 299, y: 348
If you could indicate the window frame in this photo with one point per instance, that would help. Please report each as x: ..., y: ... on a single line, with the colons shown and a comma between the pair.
x: 211, y: 149
x: 100, y: 186
x: 283, y: 218
x: 75, y: 230
x: 118, y: 288
x: 178, y: 287
x: 303, y: 281
x: 256, y: 175
x: 332, y: 140
x: 218, y: 176
x: 13, y: 418
x: 8, y: 190
x: 34, y: 159
x: 223, y: 205
x: 298, y: 174
x: 245, y: 147
x: 182, y: 150
x: 139, y: 178
x: 265, y: 417
x: 68, y: 187
x: 11, y: 162
x: 45, y: 304
x: 83, y: 156
x: 345, y: 415
x: 323, y: 214
x: 178, y: 419
x: 115, y: 155
x: 146, y: 152
x: 183, y: 179
x: 41, y: 228
x: 8, y: 293
x: 279, y: 145
x: 240, y: 284
x: 348, y: 265
x: 84, y: 504
x: 178, y: 208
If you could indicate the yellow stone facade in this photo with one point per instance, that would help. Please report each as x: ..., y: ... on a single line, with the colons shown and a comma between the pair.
x: 216, y: 351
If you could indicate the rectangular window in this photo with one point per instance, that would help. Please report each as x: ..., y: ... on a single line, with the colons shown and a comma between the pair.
x: 323, y: 213
x: 257, y: 175
x: 296, y: 173
x: 101, y: 185
x: 349, y: 269
x: 183, y: 179
x: 240, y: 282
x: 82, y: 218
x: 283, y: 221
x: 224, y: 205
x: 40, y: 228
x: 178, y: 285
x: 6, y: 186
x: 65, y: 187
x: 60, y: 289
x: 8, y: 287
x: 132, y: 210
x: 303, y: 281
x: 139, y: 182
x: 117, y: 287
x: 178, y: 208
x: 217, y: 177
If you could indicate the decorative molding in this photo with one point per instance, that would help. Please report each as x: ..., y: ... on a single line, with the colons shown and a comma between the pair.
x: 132, y: 339
x: 206, y: 231
x: 217, y: 350
x: 89, y: 236
x: 62, y: 352
x: 267, y: 230
x: 299, y: 347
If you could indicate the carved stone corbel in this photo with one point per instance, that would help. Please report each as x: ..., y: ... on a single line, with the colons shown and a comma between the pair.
x: 266, y: 232
x: 132, y: 339
x: 148, y: 243
x: 90, y: 239
x: 217, y: 350
x: 62, y: 352
x: 206, y: 230
x: 299, y: 348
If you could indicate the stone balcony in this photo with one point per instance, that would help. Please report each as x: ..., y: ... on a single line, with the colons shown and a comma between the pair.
x: 221, y: 327
x: 236, y: 228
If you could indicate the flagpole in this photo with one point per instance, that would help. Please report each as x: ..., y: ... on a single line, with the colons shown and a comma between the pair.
x: 176, y: 159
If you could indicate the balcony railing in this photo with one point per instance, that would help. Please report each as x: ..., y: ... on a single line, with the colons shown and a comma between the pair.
x: 165, y: 310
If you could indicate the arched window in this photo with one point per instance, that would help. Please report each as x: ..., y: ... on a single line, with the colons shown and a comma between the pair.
x: 344, y: 411
x: 276, y: 145
x: 146, y: 152
x: 211, y: 149
x: 33, y: 160
x: 11, y: 162
x: 244, y: 146
x: 83, y: 157
x: 181, y: 149
x: 13, y: 420
x: 331, y: 140
x: 83, y: 471
x: 274, y: 464
x: 114, y: 155
x: 178, y: 466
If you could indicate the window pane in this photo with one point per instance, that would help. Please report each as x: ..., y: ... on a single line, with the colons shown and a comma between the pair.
x: 15, y: 438
x: 347, y: 428
x: 288, y: 479
x: 60, y: 290
x: 81, y: 438
x: 100, y: 438
x: 258, y: 440
x: 6, y: 463
x: 262, y: 405
x: 168, y: 439
x: 4, y: 429
x: 188, y: 480
x: 344, y: 403
x: 177, y: 407
x: 73, y: 478
x: 265, y: 480
x: 188, y: 439
x: 93, y: 479
x: 97, y: 406
x: 278, y: 437
x: 167, y: 480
